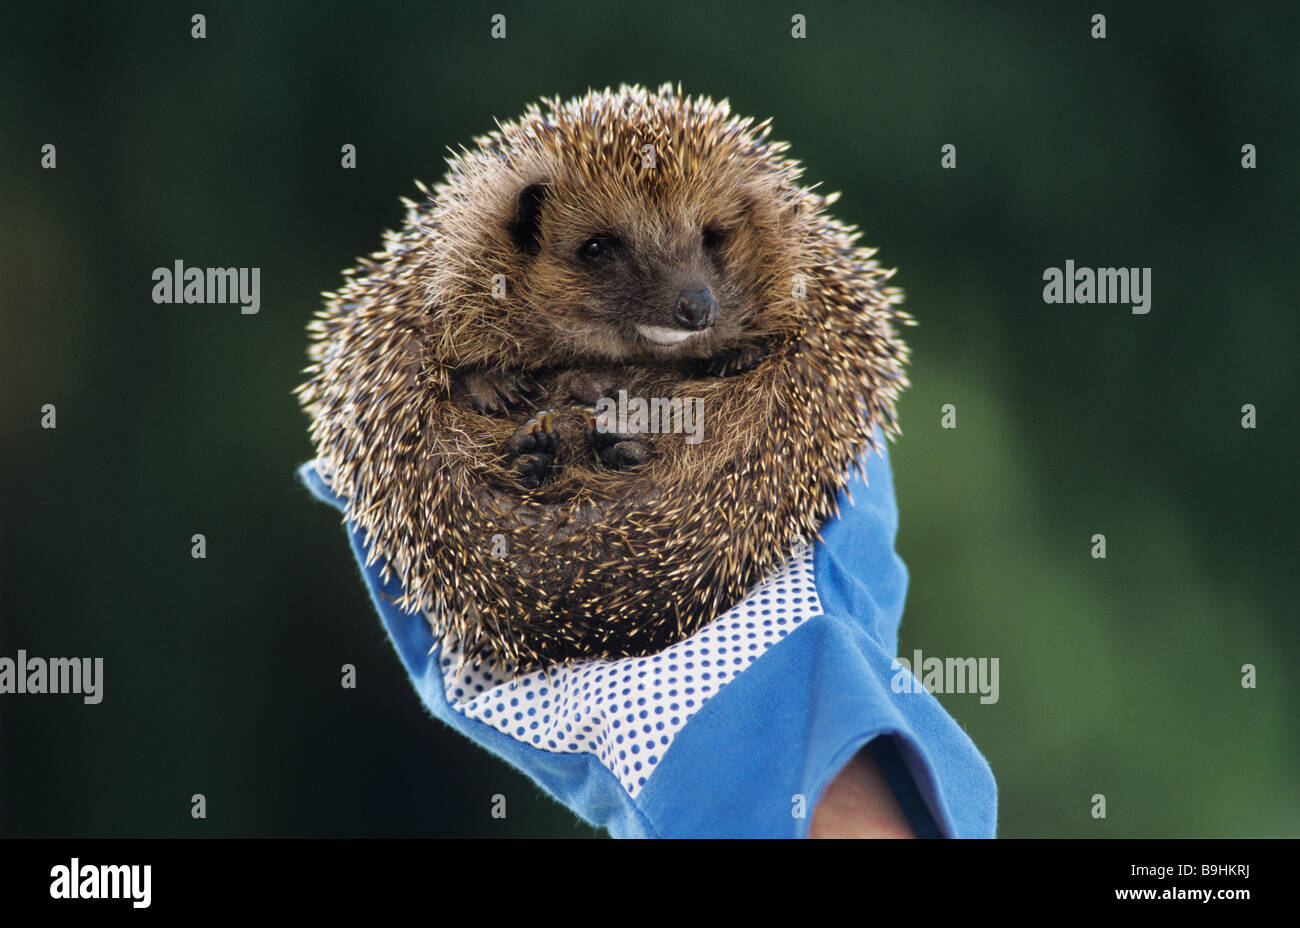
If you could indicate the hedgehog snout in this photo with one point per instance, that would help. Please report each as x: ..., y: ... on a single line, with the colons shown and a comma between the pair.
x: 696, y: 309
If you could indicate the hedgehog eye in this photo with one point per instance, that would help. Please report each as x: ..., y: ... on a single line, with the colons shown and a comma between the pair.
x: 712, y: 238
x: 597, y: 250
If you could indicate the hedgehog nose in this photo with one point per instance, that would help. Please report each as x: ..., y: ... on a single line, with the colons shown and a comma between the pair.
x: 696, y: 309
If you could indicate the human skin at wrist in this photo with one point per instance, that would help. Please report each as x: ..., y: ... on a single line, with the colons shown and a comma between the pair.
x: 858, y: 803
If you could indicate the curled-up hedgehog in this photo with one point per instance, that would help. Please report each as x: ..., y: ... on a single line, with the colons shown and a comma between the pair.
x: 484, y: 391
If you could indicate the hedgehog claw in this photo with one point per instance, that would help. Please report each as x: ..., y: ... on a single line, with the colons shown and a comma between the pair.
x: 495, y: 392
x: 736, y: 361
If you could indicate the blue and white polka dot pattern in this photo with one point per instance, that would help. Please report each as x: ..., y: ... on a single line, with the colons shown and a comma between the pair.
x: 627, y: 712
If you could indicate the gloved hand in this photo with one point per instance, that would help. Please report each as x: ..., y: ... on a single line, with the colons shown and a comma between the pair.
x: 737, y: 730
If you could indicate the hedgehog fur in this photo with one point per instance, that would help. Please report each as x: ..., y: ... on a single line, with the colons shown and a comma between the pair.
x: 601, y: 562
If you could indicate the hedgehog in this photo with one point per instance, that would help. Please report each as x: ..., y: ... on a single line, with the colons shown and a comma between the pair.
x: 624, y: 243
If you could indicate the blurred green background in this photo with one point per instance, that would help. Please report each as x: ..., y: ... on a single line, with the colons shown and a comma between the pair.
x: 1118, y: 676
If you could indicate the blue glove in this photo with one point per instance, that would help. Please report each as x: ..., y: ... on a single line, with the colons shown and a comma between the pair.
x: 737, y: 730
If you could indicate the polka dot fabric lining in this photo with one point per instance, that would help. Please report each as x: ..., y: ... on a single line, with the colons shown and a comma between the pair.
x: 627, y: 712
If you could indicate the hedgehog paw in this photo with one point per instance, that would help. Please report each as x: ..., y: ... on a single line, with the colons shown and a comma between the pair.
x: 735, y: 361
x: 621, y: 452
x: 496, y: 392
x: 625, y: 454
x: 534, y: 450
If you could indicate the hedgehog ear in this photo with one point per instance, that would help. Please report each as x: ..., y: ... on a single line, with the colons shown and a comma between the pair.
x: 526, y: 229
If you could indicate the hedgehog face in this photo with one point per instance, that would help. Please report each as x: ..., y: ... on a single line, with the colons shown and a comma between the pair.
x: 621, y: 277
x: 623, y: 227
